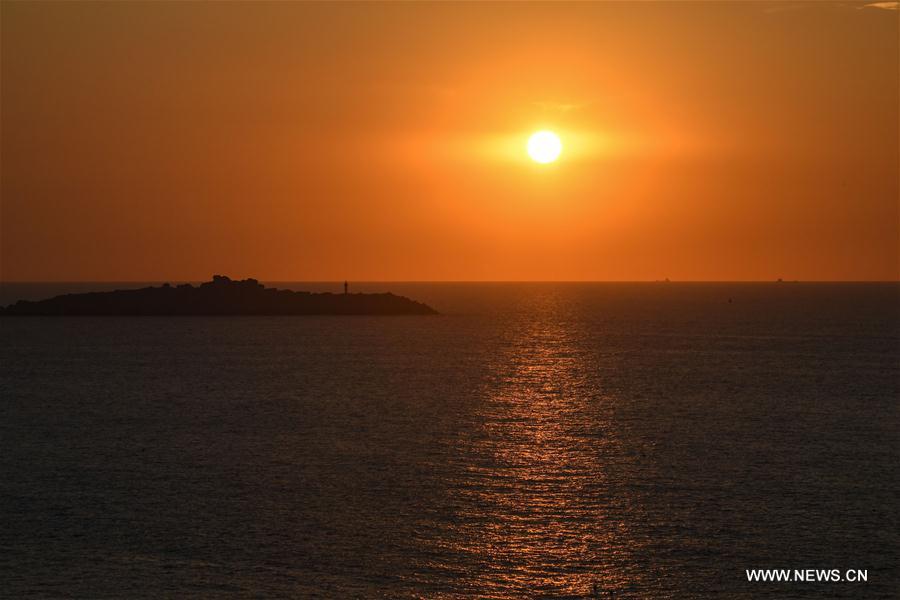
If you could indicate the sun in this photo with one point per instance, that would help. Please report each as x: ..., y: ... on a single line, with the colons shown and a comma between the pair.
x: 544, y: 147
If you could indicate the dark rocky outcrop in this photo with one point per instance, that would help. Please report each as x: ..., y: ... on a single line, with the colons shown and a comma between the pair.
x: 221, y: 296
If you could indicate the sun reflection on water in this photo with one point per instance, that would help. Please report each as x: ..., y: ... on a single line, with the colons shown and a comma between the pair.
x: 536, y: 493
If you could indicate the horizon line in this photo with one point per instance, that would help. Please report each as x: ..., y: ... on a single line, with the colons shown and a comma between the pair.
x: 455, y: 281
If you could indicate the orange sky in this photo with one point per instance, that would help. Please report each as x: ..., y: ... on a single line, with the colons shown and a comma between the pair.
x: 296, y: 141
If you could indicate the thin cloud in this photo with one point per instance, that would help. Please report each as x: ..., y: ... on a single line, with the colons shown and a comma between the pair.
x: 798, y: 6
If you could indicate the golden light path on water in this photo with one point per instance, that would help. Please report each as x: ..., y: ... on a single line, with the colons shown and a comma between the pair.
x: 536, y: 493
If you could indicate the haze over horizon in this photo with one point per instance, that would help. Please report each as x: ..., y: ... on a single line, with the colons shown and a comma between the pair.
x: 386, y: 142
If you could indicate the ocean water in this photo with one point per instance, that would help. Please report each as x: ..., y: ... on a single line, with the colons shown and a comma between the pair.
x: 534, y: 440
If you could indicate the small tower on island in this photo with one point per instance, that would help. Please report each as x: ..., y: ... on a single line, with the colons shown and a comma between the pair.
x: 345, y: 287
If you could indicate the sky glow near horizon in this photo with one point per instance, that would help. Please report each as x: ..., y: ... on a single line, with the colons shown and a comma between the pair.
x: 289, y: 141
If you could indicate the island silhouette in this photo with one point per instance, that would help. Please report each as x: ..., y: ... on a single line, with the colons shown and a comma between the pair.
x: 221, y: 296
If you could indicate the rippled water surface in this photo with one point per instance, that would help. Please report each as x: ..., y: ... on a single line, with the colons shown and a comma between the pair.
x: 534, y: 440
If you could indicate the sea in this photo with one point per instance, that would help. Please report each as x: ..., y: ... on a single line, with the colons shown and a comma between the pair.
x: 534, y: 440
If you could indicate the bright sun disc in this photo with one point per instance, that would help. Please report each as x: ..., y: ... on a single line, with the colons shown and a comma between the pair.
x: 544, y: 147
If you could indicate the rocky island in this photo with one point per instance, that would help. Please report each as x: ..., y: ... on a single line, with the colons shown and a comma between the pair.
x: 221, y: 296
